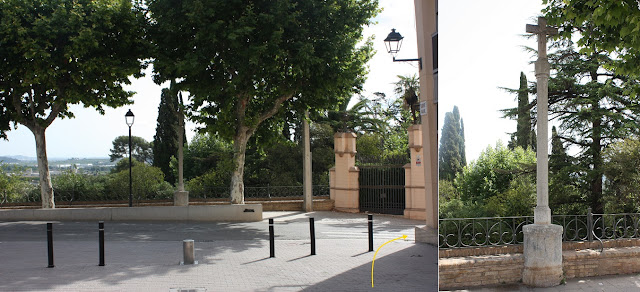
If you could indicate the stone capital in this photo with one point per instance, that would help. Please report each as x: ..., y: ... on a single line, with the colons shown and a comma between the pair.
x: 542, y: 67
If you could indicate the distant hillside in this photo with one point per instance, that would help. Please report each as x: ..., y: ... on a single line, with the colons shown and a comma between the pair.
x: 5, y: 159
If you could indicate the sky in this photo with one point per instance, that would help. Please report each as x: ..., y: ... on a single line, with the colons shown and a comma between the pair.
x: 480, y: 51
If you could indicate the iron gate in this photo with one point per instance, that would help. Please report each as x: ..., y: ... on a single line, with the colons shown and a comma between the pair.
x: 382, y: 186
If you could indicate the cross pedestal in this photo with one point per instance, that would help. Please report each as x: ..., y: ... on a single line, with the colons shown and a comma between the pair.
x: 542, y: 240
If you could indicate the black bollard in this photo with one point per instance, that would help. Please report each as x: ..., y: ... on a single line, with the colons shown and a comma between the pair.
x: 313, y: 236
x: 50, y: 244
x: 101, y: 242
x: 370, y: 232
x: 272, y: 250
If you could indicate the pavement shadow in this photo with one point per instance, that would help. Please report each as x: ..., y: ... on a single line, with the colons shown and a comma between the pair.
x: 133, y: 250
x: 411, y: 269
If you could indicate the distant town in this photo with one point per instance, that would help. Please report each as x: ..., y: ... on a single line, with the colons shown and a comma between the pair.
x: 28, y: 166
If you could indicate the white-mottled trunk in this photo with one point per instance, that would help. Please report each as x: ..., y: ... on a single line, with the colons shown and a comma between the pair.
x: 46, y: 189
x: 237, y: 177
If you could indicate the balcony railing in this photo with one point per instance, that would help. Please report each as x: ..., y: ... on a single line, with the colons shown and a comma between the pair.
x: 501, y: 231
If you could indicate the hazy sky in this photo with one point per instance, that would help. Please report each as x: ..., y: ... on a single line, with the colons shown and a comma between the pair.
x: 480, y: 50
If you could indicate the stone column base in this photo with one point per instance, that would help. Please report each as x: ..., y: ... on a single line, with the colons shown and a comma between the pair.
x: 181, y: 198
x: 427, y: 235
x: 417, y: 214
x: 542, y: 255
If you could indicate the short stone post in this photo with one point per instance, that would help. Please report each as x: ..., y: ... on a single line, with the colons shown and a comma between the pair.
x: 542, y: 240
x: 343, y: 177
x: 414, y: 177
x: 188, y: 253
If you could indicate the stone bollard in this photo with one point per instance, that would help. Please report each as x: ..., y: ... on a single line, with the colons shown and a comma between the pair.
x: 188, y: 252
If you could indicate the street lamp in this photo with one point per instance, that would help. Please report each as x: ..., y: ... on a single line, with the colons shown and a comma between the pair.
x: 393, y: 42
x: 129, y: 117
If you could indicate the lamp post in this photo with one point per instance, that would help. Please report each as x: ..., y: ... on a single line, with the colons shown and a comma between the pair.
x: 393, y: 42
x: 129, y: 117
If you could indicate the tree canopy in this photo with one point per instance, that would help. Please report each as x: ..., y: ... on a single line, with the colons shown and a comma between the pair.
x: 602, y: 25
x: 243, y: 63
x: 54, y: 54
x: 141, y: 149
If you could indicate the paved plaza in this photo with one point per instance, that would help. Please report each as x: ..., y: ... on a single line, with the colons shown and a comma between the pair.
x: 145, y: 256
x: 618, y: 283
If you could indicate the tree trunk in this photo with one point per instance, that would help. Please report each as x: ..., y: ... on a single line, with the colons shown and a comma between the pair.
x: 46, y: 189
x: 237, y: 183
x: 598, y: 173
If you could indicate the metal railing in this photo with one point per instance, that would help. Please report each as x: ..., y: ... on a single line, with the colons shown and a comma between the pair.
x: 266, y: 192
x: 69, y: 197
x: 502, y: 231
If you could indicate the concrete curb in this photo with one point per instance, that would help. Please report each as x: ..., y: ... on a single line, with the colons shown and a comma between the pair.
x: 237, y: 213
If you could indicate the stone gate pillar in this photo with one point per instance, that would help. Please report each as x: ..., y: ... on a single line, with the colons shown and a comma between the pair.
x: 414, y: 177
x: 343, y: 177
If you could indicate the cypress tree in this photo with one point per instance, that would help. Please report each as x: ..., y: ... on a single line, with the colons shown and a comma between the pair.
x: 451, y: 154
x: 523, y: 129
x: 165, y: 142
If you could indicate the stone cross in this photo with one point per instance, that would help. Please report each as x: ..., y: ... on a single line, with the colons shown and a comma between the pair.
x: 542, y: 248
x: 542, y: 30
x: 542, y: 213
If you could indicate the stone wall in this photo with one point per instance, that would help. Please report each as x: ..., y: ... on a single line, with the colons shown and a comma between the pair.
x: 494, y: 270
x: 456, y: 273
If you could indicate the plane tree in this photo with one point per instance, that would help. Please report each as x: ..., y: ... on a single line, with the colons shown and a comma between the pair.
x: 246, y: 64
x: 54, y: 54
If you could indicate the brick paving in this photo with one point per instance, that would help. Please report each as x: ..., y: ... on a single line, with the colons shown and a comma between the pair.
x: 342, y: 263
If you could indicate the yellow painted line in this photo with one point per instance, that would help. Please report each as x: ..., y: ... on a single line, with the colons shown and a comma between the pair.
x: 374, y: 255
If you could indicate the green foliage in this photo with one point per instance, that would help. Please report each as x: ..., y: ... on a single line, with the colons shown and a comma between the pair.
x: 74, y: 186
x: 60, y: 53
x: 204, y: 153
x: 451, y: 152
x: 518, y: 200
x: 247, y: 66
x: 147, y: 183
x: 525, y: 135
x: 123, y: 164
x: 13, y: 187
x: 595, y: 107
x: 165, y: 142
x: 501, y: 182
x: 601, y: 25
x: 209, y: 185
x: 491, y: 174
x: 408, y: 88
x: 622, y: 170
x: 565, y: 196
x: 370, y: 145
x: 141, y: 150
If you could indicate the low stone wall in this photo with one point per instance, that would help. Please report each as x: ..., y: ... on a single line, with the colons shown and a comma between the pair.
x: 494, y: 270
x: 242, y: 213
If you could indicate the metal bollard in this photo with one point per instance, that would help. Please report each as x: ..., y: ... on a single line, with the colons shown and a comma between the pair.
x: 188, y: 252
x: 50, y: 244
x: 101, y: 242
x: 272, y: 249
x: 313, y: 236
x: 370, y: 232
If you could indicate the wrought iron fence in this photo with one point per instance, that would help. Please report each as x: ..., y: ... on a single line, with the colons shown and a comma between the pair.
x: 501, y: 231
x: 70, y: 197
x: 265, y: 192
